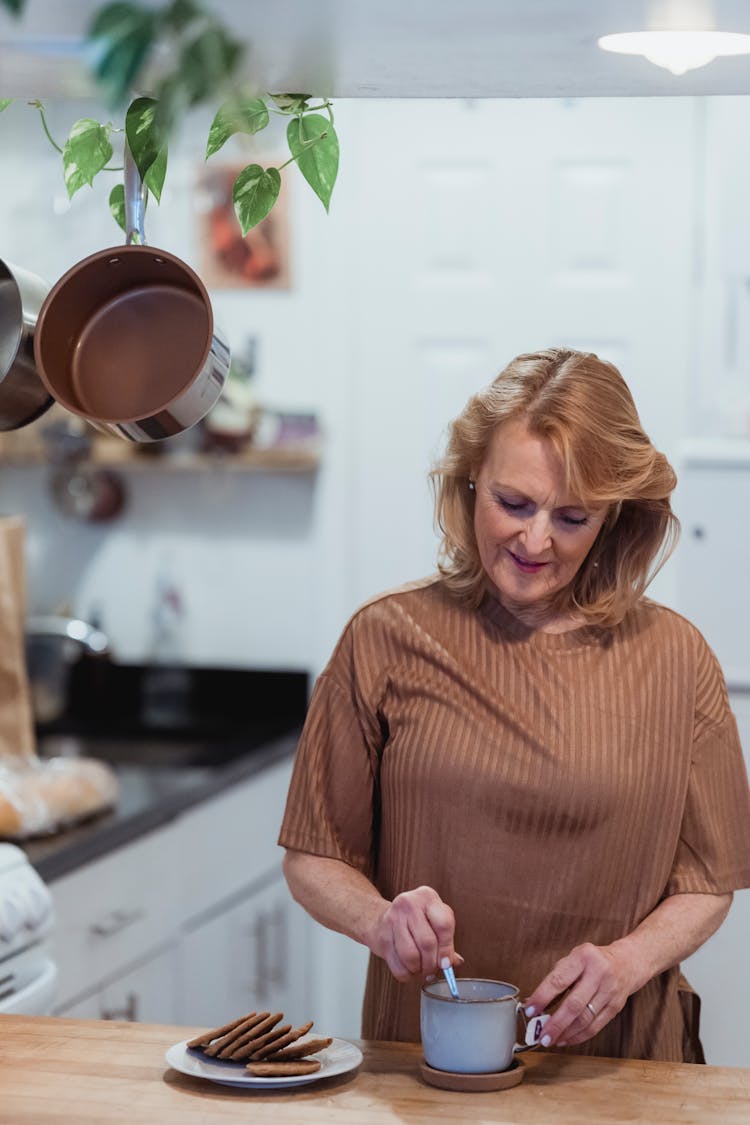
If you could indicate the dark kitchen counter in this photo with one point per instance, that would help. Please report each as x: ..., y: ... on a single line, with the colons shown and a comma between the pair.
x: 168, y: 767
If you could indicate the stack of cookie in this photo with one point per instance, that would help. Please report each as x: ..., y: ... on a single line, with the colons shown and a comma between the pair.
x: 269, y: 1047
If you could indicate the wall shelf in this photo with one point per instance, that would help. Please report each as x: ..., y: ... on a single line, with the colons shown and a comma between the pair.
x: 115, y: 453
x: 119, y: 455
x: 27, y: 447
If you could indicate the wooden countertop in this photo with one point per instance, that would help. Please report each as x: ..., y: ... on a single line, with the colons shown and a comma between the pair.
x: 77, y: 1071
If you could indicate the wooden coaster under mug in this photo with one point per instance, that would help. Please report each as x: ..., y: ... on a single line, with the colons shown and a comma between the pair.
x: 476, y: 1083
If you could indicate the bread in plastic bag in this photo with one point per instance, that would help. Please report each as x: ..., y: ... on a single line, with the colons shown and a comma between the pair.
x: 40, y: 796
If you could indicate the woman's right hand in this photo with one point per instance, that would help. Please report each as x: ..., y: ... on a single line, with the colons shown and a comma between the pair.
x: 414, y: 935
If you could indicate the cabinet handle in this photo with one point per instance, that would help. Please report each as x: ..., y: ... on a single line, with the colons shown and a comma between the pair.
x: 279, y: 920
x: 128, y: 1013
x: 115, y: 922
x: 270, y: 930
x: 261, y: 956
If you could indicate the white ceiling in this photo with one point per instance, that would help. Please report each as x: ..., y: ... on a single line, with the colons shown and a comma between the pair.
x: 406, y: 48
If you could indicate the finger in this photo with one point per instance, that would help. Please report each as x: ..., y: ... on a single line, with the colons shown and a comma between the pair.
x: 572, y: 1011
x: 443, y: 924
x: 397, y: 967
x: 407, y: 950
x: 421, y: 925
x: 577, y: 1035
x: 563, y: 974
x: 400, y: 912
x: 426, y: 942
x: 590, y: 1015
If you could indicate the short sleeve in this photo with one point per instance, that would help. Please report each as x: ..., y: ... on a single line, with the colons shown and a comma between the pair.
x: 713, y: 853
x: 331, y: 804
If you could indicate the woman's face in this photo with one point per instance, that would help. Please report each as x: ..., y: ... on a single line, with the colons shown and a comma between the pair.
x: 532, y: 534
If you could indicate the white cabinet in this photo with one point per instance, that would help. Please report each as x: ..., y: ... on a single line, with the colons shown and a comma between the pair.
x: 114, y: 912
x: 252, y: 957
x: 712, y: 560
x: 192, y: 923
x: 145, y: 993
x: 86, y: 1009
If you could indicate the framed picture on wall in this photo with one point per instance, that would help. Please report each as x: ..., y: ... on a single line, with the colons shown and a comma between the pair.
x: 229, y: 260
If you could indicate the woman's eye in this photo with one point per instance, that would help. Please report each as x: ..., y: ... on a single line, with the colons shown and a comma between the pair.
x: 512, y: 505
x: 576, y: 521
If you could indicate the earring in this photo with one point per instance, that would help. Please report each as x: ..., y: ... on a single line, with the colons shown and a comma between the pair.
x: 472, y: 486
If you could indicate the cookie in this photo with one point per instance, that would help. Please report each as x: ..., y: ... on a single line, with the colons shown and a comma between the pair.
x: 208, y: 1036
x: 243, y: 1052
x: 285, y: 1040
x: 283, y: 1069
x: 248, y: 1027
x: 300, y: 1050
x: 255, y: 1037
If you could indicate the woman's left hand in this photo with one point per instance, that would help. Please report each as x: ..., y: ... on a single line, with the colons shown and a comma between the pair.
x: 600, y: 978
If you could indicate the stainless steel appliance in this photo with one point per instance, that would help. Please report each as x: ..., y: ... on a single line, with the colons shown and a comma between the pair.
x: 28, y: 976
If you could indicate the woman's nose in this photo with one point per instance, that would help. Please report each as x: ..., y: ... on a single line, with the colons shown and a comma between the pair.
x: 535, y: 534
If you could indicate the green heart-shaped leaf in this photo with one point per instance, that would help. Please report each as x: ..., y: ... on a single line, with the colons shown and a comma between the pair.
x: 156, y: 174
x: 145, y: 135
x: 119, y: 41
x: 4, y: 103
x: 117, y: 205
x: 313, y: 141
x: 255, y: 191
x: 249, y: 115
x: 86, y: 151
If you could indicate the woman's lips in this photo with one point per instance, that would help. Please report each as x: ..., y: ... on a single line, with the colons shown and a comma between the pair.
x: 526, y: 565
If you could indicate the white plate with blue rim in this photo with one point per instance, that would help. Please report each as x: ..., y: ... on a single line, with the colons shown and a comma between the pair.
x: 339, y: 1058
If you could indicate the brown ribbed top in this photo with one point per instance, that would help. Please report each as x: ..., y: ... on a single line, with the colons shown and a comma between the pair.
x: 552, y: 788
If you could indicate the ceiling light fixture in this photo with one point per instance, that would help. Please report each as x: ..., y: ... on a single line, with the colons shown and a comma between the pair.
x: 677, y: 51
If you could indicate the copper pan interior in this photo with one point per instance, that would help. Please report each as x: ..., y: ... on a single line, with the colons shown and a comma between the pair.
x: 123, y: 334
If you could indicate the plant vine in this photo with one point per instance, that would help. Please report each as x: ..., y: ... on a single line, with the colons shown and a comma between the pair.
x: 121, y: 42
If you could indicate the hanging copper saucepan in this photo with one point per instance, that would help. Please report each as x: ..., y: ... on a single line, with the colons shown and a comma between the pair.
x: 126, y: 338
x: 23, y: 396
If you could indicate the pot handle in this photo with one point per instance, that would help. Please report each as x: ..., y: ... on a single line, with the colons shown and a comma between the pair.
x: 136, y: 198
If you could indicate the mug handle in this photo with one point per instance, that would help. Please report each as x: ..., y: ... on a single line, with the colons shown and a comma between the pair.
x: 534, y: 1027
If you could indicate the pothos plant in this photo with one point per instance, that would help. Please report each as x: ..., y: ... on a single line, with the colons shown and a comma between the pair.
x: 204, y: 60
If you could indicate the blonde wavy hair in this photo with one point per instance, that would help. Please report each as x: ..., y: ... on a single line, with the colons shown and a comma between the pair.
x: 583, y: 406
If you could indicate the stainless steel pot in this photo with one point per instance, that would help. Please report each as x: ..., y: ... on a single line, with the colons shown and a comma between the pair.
x: 126, y: 338
x: 53, y: 644
x: 23, y: 395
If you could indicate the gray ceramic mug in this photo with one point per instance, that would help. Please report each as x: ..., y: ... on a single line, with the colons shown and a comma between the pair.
x: 475, y: 1034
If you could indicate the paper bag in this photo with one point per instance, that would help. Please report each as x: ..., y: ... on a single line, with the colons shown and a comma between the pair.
x: 16, y: 718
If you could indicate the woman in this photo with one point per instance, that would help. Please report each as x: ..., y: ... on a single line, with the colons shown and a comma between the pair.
x: 522, y: 752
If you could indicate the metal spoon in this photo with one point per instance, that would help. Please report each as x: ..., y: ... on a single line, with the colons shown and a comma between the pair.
x: 450, y: 977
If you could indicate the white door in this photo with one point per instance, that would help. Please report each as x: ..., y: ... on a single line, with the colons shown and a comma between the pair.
x: 497, y: 227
